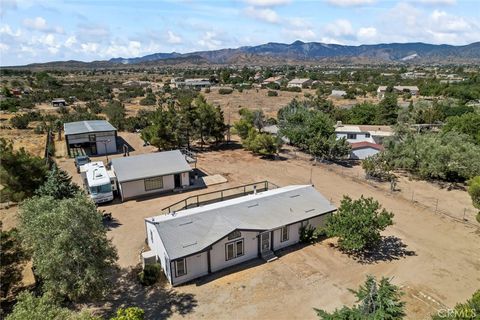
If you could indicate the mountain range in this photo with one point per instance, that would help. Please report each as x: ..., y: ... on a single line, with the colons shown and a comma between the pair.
x: 298, y: 52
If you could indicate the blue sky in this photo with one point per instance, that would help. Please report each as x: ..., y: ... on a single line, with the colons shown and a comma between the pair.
x: 40, y: 31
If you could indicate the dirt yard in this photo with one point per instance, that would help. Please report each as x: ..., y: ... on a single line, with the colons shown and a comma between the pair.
x: 435, y: 259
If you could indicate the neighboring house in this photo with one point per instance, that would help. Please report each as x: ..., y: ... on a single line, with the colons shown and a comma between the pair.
x: 338, y: 94
x: 95, y: 137
x: 151, y: 173
x: 195, y: 242
x: 59, y: 102
x: 397, y: 89
x: 278, y: 80
x: 371, y: 134
x: 135, y: 83
x: 274, y: 130
x: 364, y: 149
x: 299, y: 83
x: 196, y: 83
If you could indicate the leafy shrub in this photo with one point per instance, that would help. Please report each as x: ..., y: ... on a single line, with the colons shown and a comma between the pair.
x: 20, y: 121
x: 272, y: 93
x: 308, y: 234
x: 39, y: 129
x: 150, y: 274
x: 130, y: 313
x: 207, y: 90
x: 225, y: 90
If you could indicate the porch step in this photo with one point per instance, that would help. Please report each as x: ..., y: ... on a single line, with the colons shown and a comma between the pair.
x: 269, y: 256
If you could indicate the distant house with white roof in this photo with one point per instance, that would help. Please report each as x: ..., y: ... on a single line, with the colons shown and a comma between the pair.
x: 299, y: 83
x: 397, y: 89
x: 365, y: 140
x: 278, y: 80
x: 338, y: 94
x: 195, y: 242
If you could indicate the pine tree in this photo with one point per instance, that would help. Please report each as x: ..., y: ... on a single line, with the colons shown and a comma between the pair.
x: 59, y: 185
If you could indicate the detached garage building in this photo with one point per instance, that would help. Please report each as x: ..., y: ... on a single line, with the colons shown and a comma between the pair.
x: 364, y: 149
x: 93, y: 137
x: 151, y: 173
x: 195, y: 242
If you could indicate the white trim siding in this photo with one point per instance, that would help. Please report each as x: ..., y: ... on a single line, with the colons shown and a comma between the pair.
x: 196, y: 266
x: 250, y: 247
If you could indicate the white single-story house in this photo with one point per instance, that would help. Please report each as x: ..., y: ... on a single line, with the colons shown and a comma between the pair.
x: 195, y: 242
x: 364, y: 149
x: 95, y: 137
x: 151, y: 173
x: 363, y: 133
x: 278, y: 80
x: 337, y: 94
x: 397, y: 89
x: 299, y: 83
x: 365, y: 140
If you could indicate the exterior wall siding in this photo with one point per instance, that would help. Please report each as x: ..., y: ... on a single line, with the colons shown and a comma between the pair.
x: 293, y: 236
x: 185, y: 179
x: 83, y: 138
x: 156, y: 245
x: 360, y: 137
x: 250, y: 248
x: 136, y: 188
x: 197, y: 266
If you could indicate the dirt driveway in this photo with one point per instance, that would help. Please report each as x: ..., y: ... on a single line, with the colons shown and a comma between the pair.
x: 436, y: 260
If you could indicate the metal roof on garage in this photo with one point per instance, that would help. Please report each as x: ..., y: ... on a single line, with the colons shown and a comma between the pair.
x: 149, y: 165
x: 87, y: 126
x: 193, y: 230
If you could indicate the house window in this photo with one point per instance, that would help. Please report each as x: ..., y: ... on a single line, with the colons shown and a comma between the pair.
x: 351, y: 136
x: 234, y: 249
x: 153, y: 183
x: 367, y: 135
x: 284, y: 236
x: 235, y: 234
x: 180, y: 268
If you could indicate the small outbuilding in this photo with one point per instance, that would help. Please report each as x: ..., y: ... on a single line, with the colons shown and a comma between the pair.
x: 90, y: 137
x: 59, y: 102
x: 151, y: 173
x: 364, y: 149
x: 195, y: 242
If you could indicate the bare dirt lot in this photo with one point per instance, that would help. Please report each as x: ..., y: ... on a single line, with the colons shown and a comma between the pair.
x: 435, y: 259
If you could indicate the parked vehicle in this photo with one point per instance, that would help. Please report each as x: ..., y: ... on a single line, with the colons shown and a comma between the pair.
x: 98, y: 182
x: 80, y: 161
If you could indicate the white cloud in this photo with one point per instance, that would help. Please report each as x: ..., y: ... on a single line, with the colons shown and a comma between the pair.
x: 350, y: 3
x: 267, y: 3
x: 70, y: 41
x: 173, y: 38
x: 444, y: 22
x: 266, y: 15
x: 40, y: 24
x: 7, y: 30
x: 437, y: 2
x: 367, y: 33
x: 340, y: 28
x: 131, y: 49
x: 89, y: 47
x: 300, y: 34
x: 210, y: 41
x: 4, y: 47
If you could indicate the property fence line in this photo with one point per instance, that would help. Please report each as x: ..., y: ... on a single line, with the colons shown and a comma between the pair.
x: 49, y: 151
x: 219, y: 195
x: 463, y: 216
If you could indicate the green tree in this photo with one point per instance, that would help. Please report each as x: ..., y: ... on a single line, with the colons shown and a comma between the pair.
x: 59, y: 185
x: 358, y: 224
x: 131, y: 313
x: 12, y: 258
x: 388, y: 109
x: 468, y: 123
x: 149, y: 100
x: 31, y: 307
x: 261, y: 143
x: 245, y: 123
x: 20, y: 121
x: 474, y: 191
x: 462, y: 311
x: 364, y: 113
x: 375, y: 300
x: 115, y: 112
x: 21, y: 173
x: 71, y: 252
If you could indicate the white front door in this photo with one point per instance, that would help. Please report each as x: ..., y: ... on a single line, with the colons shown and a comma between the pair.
x: 265, y: 241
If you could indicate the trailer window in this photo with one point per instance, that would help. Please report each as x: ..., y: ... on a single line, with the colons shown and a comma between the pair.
x: 153, y: 183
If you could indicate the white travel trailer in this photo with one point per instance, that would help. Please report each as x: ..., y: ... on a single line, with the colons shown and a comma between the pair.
x: 99, y: 183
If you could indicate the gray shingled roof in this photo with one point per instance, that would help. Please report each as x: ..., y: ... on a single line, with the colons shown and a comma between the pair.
x: 149, y: 165
x: 87, y: 127
x: 190, y: 231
